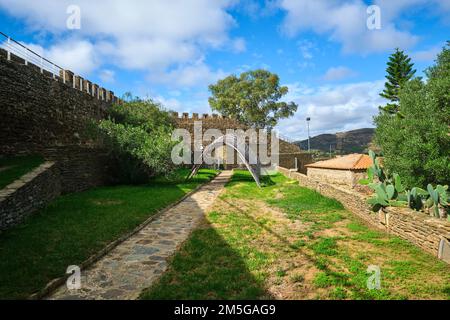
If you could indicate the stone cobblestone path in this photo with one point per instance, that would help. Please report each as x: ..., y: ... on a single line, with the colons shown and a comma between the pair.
x: 137, y: 262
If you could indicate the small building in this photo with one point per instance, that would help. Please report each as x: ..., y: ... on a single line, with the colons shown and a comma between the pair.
x: 346, y: 170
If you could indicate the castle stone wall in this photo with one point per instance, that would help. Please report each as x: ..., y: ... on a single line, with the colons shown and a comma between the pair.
x: 287, y: 151
x: 40, y: 110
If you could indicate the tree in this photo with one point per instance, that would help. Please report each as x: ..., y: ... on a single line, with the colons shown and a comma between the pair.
x: 417, y: 145
x: 138, y: 134
x: 252, y: 98
x: 399, y: 71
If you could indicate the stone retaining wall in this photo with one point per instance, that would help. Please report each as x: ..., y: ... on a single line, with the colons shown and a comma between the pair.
x: 287, y: 160
x: 31, y: 192
x: 81, y: 167
x: 418, y: 228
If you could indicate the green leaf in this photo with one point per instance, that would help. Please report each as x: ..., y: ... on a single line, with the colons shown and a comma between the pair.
x: 364, y: 182
x: 374, y: 186
x: 402, y: 197
x: 421, y: 192
x: 398, y: 183
x: 396, y: 203
x: 372, y: 155
x: 436, y: 211
x: 381, y: 193
x: 390, y: 191
x: 370, y: 174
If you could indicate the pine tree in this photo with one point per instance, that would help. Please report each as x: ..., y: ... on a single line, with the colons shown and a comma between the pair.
x: 399, y: 71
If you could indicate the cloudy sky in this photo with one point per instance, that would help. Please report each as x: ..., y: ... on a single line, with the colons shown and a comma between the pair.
x: 322, y: 50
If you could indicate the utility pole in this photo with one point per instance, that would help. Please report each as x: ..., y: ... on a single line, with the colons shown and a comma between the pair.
x: 309, y: 137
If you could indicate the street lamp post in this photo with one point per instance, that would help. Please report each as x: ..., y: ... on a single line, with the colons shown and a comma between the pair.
x: 309, y: 137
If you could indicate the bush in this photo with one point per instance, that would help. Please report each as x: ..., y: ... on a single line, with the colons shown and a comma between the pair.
x: 416, y: 145
x: 138, y: 134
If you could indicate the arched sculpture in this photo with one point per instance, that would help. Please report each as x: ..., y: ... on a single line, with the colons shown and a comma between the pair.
x: 231, y: 141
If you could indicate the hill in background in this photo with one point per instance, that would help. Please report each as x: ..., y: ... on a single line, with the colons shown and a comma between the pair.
x: 355, y: 141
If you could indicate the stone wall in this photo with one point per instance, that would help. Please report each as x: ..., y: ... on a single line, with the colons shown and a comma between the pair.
x: 287, y: 151
x: 213, y: 121
x: 287, y: 160
x: 347, y: 178
x: 28, y: 194
x: 82, y: 167
x: 418, y: 228
x: 48, y: 114
x: 39, y: 109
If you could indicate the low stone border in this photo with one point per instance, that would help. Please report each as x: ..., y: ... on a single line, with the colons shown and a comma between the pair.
x: 56, y: 283
x: 29, y: 193
x: 424, y: 231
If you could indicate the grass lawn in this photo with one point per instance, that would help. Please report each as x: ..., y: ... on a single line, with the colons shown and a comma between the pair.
x: 288, y: 242
x: 12, y: 169
x: 75, y: 226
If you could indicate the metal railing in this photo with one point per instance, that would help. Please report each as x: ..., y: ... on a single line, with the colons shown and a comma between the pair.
x: 14, y: 47
x: 18, y: 52
x: 285, y: 138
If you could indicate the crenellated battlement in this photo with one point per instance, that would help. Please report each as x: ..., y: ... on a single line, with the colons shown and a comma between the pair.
x: 43, y: 107
x: 66, y: 77
x: 197, y: 116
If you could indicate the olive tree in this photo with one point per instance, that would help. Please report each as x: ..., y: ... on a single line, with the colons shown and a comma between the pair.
x: 253, y: 98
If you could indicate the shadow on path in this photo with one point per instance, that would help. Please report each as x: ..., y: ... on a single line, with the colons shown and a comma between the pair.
x: 206, y: 267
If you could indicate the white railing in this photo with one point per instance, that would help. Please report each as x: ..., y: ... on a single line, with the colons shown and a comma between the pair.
x: 287, y: 139
x: 16, y: 48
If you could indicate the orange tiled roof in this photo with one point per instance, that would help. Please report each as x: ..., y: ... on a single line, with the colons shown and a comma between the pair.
x: 354, y: 161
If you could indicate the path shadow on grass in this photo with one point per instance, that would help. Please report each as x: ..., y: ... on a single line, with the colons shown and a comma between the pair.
x: 206, y: 267
x: 75, y: 226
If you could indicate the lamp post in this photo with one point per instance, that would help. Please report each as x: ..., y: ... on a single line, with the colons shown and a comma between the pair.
x: 309, y: 142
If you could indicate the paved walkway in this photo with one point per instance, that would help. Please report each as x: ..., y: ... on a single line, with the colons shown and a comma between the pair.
x: 135, y: 264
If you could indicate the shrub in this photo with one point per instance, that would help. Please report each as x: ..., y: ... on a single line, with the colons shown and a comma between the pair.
x: 138, y: 134
x: 417, y: 144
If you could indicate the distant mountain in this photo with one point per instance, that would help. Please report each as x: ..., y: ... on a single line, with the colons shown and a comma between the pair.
x: 355, y: 141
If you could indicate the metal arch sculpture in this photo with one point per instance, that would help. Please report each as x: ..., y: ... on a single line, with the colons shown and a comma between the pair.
x: 225, y: 139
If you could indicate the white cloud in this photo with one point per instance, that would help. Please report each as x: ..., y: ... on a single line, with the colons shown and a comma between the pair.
x: 145, y: 35
x: 239, y: 45
x: 426, y: 55
x: 174, y: 104
x: 72, y: 54
x: 188, y: 75
x: 306, y: 47
x: 170, y: 103
x: 345, y: 22
x: 338, y: 73
x: 107, y: 76
x: 332, y: 108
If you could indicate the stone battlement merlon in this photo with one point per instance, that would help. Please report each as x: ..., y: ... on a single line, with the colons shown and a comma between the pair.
x: 196, y: 116
x: 68, y: 78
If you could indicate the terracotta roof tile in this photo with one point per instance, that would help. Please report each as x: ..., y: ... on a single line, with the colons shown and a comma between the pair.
x: 354, y: 161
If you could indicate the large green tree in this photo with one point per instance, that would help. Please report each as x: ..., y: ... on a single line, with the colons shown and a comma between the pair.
x: 253, y: 98
x: 399, y: 71
x: 417, y: 145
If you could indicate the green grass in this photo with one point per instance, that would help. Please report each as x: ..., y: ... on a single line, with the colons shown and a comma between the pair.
x: 207, y: 267
x: 241, y: 253
x: 75, y: 226
x: 14, y: 168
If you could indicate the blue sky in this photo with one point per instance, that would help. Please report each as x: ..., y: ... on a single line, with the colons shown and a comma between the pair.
x: 170, y: 51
